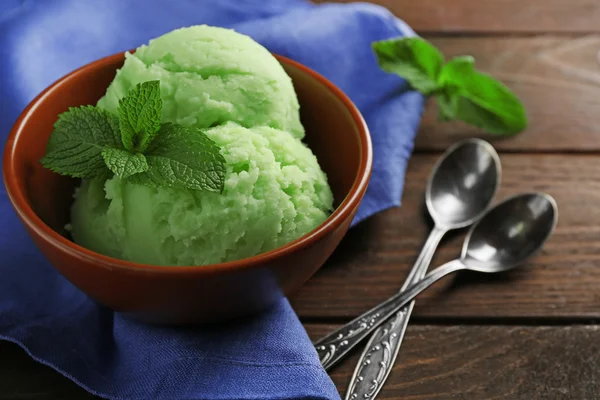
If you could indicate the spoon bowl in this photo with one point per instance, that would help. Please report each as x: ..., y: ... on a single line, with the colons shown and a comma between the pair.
x: 463, y: 183
x: 512, y: 232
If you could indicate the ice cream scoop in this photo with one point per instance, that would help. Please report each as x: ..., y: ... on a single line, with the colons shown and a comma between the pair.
x: 209, y: 76
x: 274, y: 193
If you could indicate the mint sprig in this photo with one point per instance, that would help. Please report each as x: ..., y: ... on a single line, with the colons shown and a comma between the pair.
x: 90, y: 143
x: 460, y: 90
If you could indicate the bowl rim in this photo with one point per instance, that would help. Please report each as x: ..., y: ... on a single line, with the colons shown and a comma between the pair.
x: 35, y: 223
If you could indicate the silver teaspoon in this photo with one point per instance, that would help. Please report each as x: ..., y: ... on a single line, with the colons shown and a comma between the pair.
x: 460, y: 189
x: 504, y: 238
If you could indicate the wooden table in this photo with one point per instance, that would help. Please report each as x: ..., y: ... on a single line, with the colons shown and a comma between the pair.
x: 531, y: 334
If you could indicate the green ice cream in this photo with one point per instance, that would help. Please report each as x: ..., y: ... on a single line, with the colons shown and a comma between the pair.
x: 209, y: 76
x: 274, y: 190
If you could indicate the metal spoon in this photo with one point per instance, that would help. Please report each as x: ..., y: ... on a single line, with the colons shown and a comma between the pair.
x: 504, y: 238
x: 460, y: 189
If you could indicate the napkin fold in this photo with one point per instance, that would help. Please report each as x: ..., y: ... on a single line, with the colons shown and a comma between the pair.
x: 265, y: 357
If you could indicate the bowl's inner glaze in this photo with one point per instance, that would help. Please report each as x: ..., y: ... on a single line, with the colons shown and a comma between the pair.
x: 331, y: 133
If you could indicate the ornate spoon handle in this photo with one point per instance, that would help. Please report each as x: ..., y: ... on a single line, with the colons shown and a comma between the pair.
x: 333, y: 347
x: 377, y: 360
x: 337, y: 344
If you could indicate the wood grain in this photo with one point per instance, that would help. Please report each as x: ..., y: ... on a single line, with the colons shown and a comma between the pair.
x: 497, y: 16
x: 561, y: 282
x: 557, y: 78
x: 488, y: 362
x: 435, y: 363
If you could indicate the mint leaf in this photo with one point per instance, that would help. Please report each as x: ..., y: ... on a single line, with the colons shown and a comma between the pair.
x: 75, y: 146
x: 139, y: 115
x: 124, y: 163
x: 414, y: 59
x: 479, y: 99
x: 183, y: 157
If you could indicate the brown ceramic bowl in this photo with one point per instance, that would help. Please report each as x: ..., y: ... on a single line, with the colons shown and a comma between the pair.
x: 335, y: 131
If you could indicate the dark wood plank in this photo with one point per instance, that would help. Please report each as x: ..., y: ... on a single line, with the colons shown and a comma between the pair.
x: 489, y: 362
x: 557, y: 78
x: 497, y: 16
x: 436, y: 363
x: 561, y: 282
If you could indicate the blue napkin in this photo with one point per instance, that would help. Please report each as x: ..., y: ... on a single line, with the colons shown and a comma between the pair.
x: 265, y: 357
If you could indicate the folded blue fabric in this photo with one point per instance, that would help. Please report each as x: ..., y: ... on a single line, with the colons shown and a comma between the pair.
x: 265, y: 357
